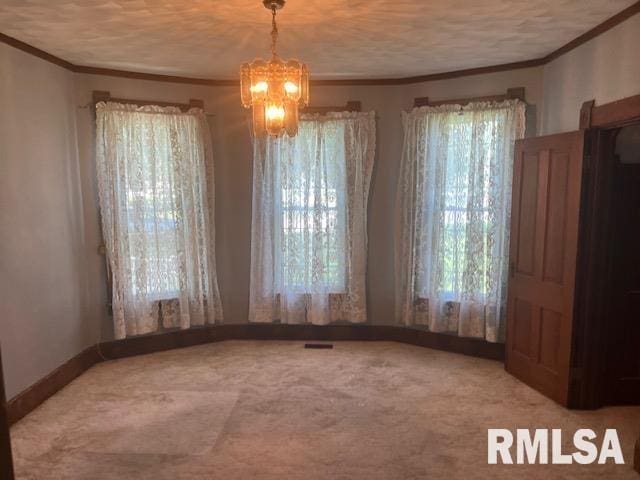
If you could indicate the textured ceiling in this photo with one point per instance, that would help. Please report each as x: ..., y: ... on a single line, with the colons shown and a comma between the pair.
x: 337, y: 38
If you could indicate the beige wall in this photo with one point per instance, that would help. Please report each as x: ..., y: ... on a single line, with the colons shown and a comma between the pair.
x: 606, y: 68
x: 484, y: 85
x: 43, y: 279
x: 52, y: 280
x: 233, y: 170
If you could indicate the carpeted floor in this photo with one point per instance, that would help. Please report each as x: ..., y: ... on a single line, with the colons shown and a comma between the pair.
x: 273, y: 410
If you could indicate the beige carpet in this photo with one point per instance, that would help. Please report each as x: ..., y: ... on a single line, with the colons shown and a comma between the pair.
x: 273, y: 410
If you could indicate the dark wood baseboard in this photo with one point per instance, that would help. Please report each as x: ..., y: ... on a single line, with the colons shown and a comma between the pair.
x: 267, y: 331
x: 636, y: 458
x: 28, y: 400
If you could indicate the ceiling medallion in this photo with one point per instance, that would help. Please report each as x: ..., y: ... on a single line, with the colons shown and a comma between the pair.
x: 274, y: 88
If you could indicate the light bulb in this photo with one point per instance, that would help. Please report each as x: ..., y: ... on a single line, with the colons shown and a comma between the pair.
x: 259, y: 87
x: 290, y: 87
x: 275, y: 112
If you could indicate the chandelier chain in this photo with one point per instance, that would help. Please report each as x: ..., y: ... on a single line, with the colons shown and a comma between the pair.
x: 274, y: 31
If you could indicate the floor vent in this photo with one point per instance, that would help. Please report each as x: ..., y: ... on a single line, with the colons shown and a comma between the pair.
x: 318, y: 345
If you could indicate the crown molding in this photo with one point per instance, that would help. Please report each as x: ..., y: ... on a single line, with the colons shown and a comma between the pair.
x: 110, y: 72
x: 328, y: 82
x: 36, y: 52
x: 576, y: 42
x: 595, y: 31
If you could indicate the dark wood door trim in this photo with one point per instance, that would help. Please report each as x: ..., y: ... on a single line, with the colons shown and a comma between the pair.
x: 636, y: 461
x: 594, y: 248
x: 33, y: 396
x: 6, y: 459
x: 610, y: 115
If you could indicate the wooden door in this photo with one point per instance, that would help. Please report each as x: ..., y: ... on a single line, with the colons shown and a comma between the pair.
x: 544, y: 235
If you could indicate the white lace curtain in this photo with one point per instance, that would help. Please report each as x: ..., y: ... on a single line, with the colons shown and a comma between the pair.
x: 454, y: 199
x: 155, y: 183
x: 309, y: 224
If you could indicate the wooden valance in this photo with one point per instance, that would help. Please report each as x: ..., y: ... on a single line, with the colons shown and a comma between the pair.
x: 104, y: 96
x: 517, y: 92
x: 351, y: 106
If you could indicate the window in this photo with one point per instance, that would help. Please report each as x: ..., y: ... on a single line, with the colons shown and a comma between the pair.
x: 152, y: 213
x: 152, y: 165
x: 309, y: 221
x: 313, y: 210
x: 455, y: 199
x: 467, y: 201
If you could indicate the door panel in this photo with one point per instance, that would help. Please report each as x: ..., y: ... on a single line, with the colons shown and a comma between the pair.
x: 553, y: 270
x: 544, y: 235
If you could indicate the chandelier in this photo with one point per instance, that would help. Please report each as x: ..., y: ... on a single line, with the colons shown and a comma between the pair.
x: 274, y: 88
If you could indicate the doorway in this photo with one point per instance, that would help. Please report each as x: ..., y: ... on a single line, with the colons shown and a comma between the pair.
x: 622, y: 356
x: 606, y: 345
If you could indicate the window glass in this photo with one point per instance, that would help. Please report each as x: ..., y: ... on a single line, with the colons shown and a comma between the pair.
x: 313, y: 209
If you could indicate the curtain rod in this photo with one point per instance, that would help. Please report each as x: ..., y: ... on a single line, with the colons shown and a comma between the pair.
x: 105, y: 96
x: 512, y: 93
x: 92, y: 105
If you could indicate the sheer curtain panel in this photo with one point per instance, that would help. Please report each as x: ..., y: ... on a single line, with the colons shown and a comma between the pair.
x: 309, y: 224
x: 454, y: 200
x: 155, y: 183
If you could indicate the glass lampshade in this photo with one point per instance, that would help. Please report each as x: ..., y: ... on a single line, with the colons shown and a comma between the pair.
x: 275, y: 89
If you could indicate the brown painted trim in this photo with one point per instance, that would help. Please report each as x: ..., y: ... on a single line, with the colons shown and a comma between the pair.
x: 33, y: 396
x: 516, y: 92
x: 328, y: 82
x: 36, y: 52
x: 351, y: 106
x: 430, y: 77
x: 25, y: 402
x: 595, y: 31
x: 104, y: 96
x: 536, y: 62
x: 154, y: 77
x: 6, y: 458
